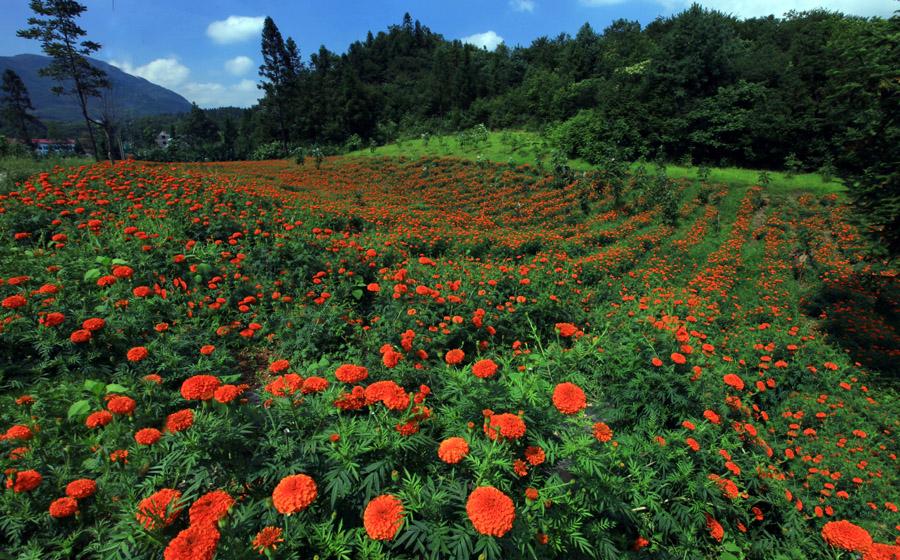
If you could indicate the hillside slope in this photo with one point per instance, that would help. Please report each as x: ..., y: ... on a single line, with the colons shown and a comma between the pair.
x: 133, y: 96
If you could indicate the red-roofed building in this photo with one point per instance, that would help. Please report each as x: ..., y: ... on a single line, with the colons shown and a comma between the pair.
x: 46, y: 146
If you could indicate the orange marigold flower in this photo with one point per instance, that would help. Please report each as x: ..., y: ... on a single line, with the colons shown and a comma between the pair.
x: 63, y: 507
x: 602, y: 432
x: 715, y: 528
x: 284, y: 385
x: 81, y: 488
x: 484, y: 369
x: 568, y: 398
x: 391, y: 358
x: 147, y: 436
x: 24, y: 481
x: 733, y: 380
x: 17, y: 433
x: 207, y: 349
x: 98, y: 419
x: 349, y: 373
x: 52, y: 319
x: 729, y: 488
x: 383, y: 517
x: 453, y: 450
x: 278, y: 366
x: 314, y: 384
x: 846, y: 536
x: 159, y: 509
x: 80, y: 336
x: 197, y: 542
x: 14, y: 302
x: 17, y: 453
x: 678, y: 358
x: 141, y: 291
x: 455, y: 356
x: 227, y: 393
x: 294, y: 493
x: 692, y: 443
x: 210, y: 508
x: 200, y: 387
x: 137, y: 354
x: 531, y: 494
x: 520, y: 467
x: 180, y: 421
x: 490, y: 511
x: 122, y: 271
x: 535, y: 455
x: 566, y: 329
x: 879, y: 551
x: 119, y: 455
x: 93, y: 324
x: 121, y: 405
x: 267, y: 539
x: 388, y: 392
x: 506, y: 426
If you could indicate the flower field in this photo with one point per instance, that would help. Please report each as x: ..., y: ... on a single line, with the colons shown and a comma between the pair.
x: 438, y: 359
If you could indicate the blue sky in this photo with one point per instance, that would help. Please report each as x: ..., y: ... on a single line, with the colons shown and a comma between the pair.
x: 208, y: 50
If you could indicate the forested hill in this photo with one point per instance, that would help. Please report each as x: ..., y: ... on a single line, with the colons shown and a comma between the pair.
x: 131, y: 96
x: 699, y: 84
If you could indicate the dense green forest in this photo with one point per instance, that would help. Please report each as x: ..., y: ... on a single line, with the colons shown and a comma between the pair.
x: 763, y: 92
x: 812, y: 91
x: 700, y: 85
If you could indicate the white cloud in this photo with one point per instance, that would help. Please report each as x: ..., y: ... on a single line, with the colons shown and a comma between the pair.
x: 171, y: 74
x: 234, y: 29
x: 166, y: 72
x: 522, y: 5
x: 745, y: 8
x: 757, y: 8
x: 488, y: 40
x: 239, y: 65
x: 213, y: 94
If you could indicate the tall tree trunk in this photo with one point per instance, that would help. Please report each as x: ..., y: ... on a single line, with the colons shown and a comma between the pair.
x: 88, y: 122
x: 81, y: 99
x: 109, y: 145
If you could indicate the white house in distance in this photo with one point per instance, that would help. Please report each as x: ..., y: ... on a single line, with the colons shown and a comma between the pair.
x: 163, y: 139
x: 47, y: 146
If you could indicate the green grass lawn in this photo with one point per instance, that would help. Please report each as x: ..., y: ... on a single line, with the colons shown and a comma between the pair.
x: 16, y: 169
x: 520, y: 147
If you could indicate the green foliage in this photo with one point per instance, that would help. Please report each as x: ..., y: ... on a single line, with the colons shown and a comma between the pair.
x: 272, y: 150
x: 644, y: 312
x: 868, y: 94
x: 16, y: 107
x: 792, y: 166
x: 591, y: 137
x: 54, y: 25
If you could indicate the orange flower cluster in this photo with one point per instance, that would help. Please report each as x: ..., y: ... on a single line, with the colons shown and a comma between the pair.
x: 491, y: 511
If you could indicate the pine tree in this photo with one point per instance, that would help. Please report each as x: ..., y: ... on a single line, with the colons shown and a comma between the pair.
x: 16, y: 104
x: 59, y: 37
x: 281, y: 62
x: 868, y: 91
x: 199, y: 129
x: 229, y: 139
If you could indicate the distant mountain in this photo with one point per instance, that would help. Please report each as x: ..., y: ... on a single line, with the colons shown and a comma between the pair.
x: 132, y: 96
